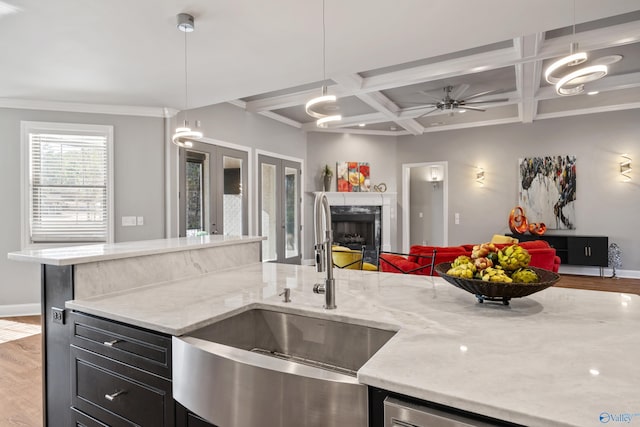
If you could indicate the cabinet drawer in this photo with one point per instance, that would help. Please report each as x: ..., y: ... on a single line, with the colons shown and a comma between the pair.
x: 80, y: 419
x: 118, y: 394
x: 147, y: 350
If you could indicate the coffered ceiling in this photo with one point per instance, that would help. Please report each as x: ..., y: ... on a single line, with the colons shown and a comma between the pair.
x: 383, y: 59
x: 388, y: 100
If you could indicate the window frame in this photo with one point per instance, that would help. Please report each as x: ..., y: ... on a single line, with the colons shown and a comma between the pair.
x: 28, y: 127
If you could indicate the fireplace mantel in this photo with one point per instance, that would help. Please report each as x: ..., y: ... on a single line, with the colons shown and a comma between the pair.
x: 386, y: 200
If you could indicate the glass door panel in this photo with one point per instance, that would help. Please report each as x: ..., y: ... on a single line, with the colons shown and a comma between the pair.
x: 232, y: 202
x: 213, y: 182
x: 269, y: 211
x: 195, y: 197
x: 292, y: 212
x: 279, y: 184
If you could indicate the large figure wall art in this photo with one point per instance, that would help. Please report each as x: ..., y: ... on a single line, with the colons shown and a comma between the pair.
x: 547, y: 190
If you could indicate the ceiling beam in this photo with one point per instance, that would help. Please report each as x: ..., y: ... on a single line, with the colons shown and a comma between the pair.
x: 269, y: 114
x: 379, y: 102
x: 528, y: 75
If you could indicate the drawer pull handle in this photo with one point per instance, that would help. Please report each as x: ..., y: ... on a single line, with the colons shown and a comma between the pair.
x: 112, y: 396
x: 111, y: 343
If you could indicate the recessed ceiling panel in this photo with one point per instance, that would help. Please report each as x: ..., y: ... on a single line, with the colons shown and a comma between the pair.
x: 501, y: 79
x: 584, y: 101
x: 440, y: 118
x: 348, y: 106
x: 384, y: 126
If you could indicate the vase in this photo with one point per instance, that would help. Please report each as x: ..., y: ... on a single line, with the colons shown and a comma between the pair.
x: 327, y: 183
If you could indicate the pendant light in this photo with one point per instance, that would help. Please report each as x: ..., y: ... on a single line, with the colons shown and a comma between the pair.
x: 183, y: 134
x: 567, y: 79
x: 323, y: 107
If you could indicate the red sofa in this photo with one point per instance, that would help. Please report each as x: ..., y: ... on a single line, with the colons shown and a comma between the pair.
x: 542, y: 256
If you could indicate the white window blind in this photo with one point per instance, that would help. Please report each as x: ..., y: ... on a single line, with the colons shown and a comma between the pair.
x: 69, y: 187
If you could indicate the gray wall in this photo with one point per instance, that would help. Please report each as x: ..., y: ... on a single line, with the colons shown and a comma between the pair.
x: 604, y: 206
x: 138, y: 182
x: 329, y: 148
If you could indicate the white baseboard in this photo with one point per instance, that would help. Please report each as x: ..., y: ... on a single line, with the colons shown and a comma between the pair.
x: 19, y: 310
x: 310, y: 261
x: 595, y: 271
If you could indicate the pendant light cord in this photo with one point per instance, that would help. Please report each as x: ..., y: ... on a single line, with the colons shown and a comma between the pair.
x: 324, y: 48
x: 186, y: 79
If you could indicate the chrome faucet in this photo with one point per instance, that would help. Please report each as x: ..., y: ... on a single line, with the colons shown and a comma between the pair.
x: 324, y: 257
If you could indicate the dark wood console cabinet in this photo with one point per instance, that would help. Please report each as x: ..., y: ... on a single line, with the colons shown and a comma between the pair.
x: 575, y: 250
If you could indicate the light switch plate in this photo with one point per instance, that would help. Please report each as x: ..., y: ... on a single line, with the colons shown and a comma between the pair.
x: 128, y: 221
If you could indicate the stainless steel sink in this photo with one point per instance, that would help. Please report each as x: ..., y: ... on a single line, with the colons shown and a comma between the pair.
x: 264, y: 367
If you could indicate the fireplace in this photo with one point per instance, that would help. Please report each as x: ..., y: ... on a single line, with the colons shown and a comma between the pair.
x: 357, y: 226
x: 382, y: 210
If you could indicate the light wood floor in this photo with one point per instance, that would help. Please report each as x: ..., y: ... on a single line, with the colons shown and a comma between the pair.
x: 21, y: 360
x: 21, y: 379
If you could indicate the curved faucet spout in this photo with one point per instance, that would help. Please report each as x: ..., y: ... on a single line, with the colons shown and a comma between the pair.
x: 323, y: 243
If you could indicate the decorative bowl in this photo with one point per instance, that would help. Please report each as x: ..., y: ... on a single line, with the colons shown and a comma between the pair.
x: 496, y: 291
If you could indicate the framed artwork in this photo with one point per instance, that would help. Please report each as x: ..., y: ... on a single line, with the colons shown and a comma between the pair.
x: 353, y: 176
x: 547, y: 190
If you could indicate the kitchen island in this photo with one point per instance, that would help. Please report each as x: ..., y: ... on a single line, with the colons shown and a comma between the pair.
x: 99, y: 269
x: 560, y: 357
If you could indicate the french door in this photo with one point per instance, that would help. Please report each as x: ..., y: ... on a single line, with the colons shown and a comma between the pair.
x: 213, y: 196
x: 279, y: 204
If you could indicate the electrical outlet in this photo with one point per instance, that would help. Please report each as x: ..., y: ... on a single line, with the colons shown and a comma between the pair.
x: 57, y: 315
x: 457, y: 218
x: 140, y: 220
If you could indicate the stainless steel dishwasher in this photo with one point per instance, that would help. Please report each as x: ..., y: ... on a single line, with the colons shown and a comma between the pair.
x: 398, y: 413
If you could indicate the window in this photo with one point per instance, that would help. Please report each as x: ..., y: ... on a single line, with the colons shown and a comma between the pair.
x: 67, y: 183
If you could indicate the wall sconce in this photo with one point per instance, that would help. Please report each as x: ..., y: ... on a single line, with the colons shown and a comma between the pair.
x: 435, y: 174
x: 480, y: 176
x: 625, y: 168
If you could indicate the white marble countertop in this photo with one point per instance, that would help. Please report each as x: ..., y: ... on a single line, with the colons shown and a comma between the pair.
x: 560, y: 357
x: 103, y: 252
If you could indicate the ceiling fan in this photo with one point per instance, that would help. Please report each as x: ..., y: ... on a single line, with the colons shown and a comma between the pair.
x: 453, y: 100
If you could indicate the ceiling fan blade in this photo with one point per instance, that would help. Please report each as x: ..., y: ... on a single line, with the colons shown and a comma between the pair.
x: 484, y: 102
x: 486, y: 92
x: 426, y: 114
x: 418, y: 106
x: 471, y: 108
x: 430, y: 96
x: 459, y: 91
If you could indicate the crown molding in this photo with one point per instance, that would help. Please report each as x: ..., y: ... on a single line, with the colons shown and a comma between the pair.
x: 77, y: 107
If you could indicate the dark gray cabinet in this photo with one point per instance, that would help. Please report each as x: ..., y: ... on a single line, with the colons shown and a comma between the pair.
x: 575, y: 250
x: 588, y: 251
x: 120, y: 375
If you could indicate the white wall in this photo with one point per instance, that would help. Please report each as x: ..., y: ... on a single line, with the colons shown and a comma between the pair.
x: 329, y: 148
x: 426, y: 214
x: 139, y: 191
x: 604, y: 206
